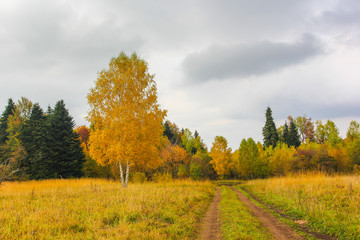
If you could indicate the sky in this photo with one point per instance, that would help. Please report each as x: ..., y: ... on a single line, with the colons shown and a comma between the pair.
x: 218, y: 64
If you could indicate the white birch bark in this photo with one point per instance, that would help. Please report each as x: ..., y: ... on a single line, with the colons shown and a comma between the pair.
x: 121, y: 174
x: 127, y: 173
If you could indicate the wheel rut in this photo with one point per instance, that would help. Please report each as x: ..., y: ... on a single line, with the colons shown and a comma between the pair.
x: 210, y: 226
x: 280, y: 230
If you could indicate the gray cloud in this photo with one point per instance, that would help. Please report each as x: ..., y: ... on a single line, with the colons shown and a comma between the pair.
x: 221, y: 62
x: 51, y: 50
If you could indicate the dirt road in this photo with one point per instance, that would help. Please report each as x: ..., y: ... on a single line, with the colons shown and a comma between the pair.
x: 210, y: 227
x: 280, y: 230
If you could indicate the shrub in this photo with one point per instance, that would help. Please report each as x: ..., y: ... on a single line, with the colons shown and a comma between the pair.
x: 138, y: 177
x: 195, y: 171
x: 183, y: 172
x: 162, y: 177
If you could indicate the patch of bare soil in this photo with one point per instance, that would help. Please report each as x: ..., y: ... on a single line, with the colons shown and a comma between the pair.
x: 210, y: 225
x: 280, y: 230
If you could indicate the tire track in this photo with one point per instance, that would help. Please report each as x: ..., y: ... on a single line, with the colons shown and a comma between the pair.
x: 210, y: 227
x: 280, y: 230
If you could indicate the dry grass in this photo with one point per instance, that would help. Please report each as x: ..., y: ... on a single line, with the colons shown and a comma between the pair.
x: 329, y: 204
x: 101, y: 209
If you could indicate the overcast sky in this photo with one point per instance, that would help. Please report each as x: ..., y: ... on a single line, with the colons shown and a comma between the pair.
x: 218, y: 64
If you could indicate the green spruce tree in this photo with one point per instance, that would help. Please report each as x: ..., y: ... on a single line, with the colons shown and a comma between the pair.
x: 9, y: 109
x: 167, y: 132
x: 64, y: 144
x: 37, y: 164
x: 294, y: 137
x: 286, y: 134
x: 269, y: 131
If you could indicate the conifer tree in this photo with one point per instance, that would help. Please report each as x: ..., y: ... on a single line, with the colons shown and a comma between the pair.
x: 9, y: 109
x: 37, y: 164
x: 167, y: 131
x: 294, y: 137
x: 286, y: 134
x: 269, y: 131
x: 64, y: 145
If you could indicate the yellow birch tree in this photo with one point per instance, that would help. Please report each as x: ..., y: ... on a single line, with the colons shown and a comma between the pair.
x: 125, y: 116
x: 221, y: 156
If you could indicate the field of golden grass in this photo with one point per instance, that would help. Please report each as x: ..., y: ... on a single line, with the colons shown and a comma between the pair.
x: 101, y: 209
x: 329, y: 204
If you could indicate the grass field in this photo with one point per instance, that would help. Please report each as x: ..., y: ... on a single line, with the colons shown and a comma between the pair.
x: 101, y: 209
x: 329, y: 204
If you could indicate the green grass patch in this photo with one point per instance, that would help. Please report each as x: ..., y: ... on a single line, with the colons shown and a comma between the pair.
x: 237, y: 220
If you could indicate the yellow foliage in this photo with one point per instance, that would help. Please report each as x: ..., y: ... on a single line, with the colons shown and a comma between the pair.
x: 221, y: 156
x: 280, y: 161
x: 125, y: 115
x: 173, y: 154
x: 339, y: 153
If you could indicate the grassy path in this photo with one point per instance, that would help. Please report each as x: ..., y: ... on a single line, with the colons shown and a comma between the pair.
x: 279, y: 230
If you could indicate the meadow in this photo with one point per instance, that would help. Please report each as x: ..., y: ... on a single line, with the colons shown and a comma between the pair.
x: 328, y: 204
x: 102, y: 209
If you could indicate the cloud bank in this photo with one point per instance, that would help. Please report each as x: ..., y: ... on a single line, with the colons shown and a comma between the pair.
x: 223, y: 62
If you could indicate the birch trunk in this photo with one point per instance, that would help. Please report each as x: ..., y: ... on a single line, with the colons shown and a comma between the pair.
x: 121, y: 174
x: 127, y: 174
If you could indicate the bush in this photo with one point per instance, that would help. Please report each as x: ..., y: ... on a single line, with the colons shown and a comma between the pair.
x: 183, y: 172
x: 357, y: 170
x: 195, y: 171
x: 162, y: 177
x: 138, y: 177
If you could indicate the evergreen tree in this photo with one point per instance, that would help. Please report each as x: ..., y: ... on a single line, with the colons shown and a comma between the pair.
x: 294, y: 137
x: 9, y: 109
x: 196, y: 134
x: 64, y: 144
x: 286, y: 134
x: 167, y: 132
x: 37, y: 164
x: 269, y: 131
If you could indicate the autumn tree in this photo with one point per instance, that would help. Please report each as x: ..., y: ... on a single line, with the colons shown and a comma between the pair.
x: 188, y: 141
x: 173, y: 156
x: 269, y: 131
x: 91, y: 168
x: 16, y: 123
x: 327, y: 132
x: 250, y: 165
x: 353, y: 131
x: 305, y: 127
x: 280, y: 161
x: 125, y: 115
x: 353, y: 143
x: 221, y: 156
x: 84, y: 134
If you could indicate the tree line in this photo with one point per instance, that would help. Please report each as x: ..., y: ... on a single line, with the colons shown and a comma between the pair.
x: 299, y: 145
x: 38, y: 145
x: 129, y: 138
